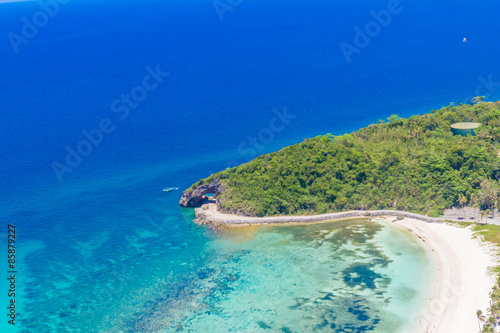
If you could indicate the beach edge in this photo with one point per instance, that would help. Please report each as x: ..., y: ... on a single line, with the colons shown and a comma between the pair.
x: 463, y: 279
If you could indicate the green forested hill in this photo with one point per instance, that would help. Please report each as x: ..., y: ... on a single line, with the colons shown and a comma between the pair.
x: 413, y: 164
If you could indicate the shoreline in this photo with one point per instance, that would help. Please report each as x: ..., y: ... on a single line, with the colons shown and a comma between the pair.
x: 208, y: 214
x: 462, y: 281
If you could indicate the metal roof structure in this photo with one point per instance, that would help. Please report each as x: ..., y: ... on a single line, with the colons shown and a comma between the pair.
x: 464, y: 129
x: 465, y: 126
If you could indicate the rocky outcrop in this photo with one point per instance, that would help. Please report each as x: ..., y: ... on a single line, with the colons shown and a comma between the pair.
x: 197, y: 196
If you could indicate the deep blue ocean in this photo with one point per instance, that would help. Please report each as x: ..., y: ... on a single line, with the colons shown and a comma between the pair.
x: 170, y: 92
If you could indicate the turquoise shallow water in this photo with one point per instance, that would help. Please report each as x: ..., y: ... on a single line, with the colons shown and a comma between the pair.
x: 354, y: 275
x: 105, y: 250
x: 118, y: 255
x: 349, y: 276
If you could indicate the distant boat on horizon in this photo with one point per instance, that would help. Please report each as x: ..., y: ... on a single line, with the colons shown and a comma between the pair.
x: 168, y: 189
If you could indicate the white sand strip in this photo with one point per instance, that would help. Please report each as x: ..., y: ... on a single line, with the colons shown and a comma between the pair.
x: 463, y: 282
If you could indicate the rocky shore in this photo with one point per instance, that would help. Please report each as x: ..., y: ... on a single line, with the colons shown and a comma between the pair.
x: 197, y: 196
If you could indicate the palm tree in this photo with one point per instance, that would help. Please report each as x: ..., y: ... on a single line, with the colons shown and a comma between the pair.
x: 488, y: 328
x: 480, y: 318
x: 462, y: 199
x: 495, y: 310
x: 491, y: 320
x: 483, y: 214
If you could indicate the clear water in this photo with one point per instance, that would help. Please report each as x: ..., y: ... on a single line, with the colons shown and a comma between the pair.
x: 106, y: 250
x: 355, y: 275
x: 349, y: 276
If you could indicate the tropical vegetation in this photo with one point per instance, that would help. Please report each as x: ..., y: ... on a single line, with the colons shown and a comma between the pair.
x: 414, y: 164
x: 490, y: 319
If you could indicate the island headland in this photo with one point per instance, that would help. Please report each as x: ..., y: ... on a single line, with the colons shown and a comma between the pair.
x: 408, y: 171
x: 419, y: 165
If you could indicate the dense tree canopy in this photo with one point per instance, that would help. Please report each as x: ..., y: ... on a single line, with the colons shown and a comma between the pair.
x: 413, y: 164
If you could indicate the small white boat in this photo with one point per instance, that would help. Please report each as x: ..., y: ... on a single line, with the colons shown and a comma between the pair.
x: 464, y: 40
x: 168, y: 189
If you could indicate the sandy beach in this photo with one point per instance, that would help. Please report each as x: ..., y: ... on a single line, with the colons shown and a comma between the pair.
x: 463, y: 281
